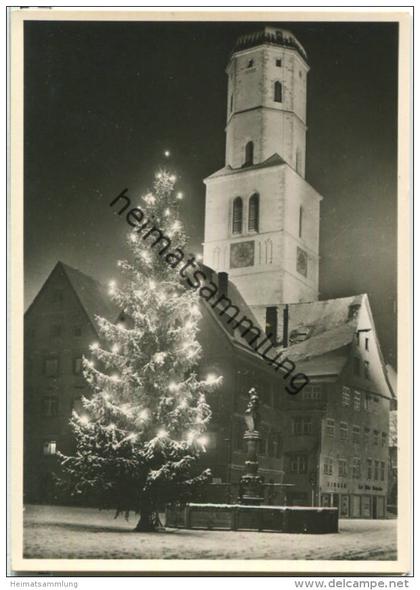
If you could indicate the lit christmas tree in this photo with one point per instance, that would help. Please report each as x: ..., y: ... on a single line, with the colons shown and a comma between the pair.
x: 142, y: 430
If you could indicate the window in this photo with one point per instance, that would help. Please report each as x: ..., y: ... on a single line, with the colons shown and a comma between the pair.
x: 263, y: 445
x: 297, y: 425
x: 342, y: 468
x: 356, y: 435
x: 249, y: 153
x: 300, y: 221
x: 384, y: 439
x: 369, y: 468
x: 382, y: 471
x: 278, y: 92
x: 278, y: 63
x: 330, y: 427
x: 356, y: 365
x: 51, y: 367
x: 298, y: 463
x: 312, y: 392
x: 279, y: 444
x: 376, y: 438
x: 356, y: 468
x: 328, y: 466
x: 307, y: 425
x: 300, y: 73
x: 302, y: 425
x: 55, y: 331
x: 77, y: 365
x: 346, y: 396
x: 367, y: 436
x: 343, y: 430
x: 77, y: 331
x: 366, y: 402
x: 356, y: 400
x: 253, y: 213
x: 366, y: 343
x: 376, y: 473
x: 231, y: 102
x: 250, y: 63
x: 237, y: 216
x: 366, y: 370
x: 49, y: 447
x: 50, y: 405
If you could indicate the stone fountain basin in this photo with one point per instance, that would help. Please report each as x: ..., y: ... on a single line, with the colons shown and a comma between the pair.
x: 237, y: 517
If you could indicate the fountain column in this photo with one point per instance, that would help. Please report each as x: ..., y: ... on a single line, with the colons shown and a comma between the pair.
x: 251, y: 485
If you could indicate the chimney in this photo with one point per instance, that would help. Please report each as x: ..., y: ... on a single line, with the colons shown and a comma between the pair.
x: 286, y: 326
x: 271, y: 323
x: 223, y: 279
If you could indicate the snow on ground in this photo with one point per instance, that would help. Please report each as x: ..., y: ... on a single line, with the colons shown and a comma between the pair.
x: 59, y: 532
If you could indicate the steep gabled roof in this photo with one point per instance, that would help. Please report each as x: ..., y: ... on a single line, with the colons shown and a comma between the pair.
x: 93, y: 295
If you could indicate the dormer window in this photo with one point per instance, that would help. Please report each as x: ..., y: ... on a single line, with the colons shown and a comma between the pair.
x: 250, y: 63
x: 278, y: 92
x: 278, y: 63
x: 237, y: 216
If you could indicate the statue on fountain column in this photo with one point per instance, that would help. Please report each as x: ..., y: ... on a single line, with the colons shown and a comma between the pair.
x: 250, y: 487
x: 252, y: 415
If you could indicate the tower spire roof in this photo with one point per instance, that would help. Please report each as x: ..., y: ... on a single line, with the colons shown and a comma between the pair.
x: 270, y: 35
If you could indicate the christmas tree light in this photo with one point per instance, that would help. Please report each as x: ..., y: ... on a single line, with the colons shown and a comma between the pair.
x: 133, y: 450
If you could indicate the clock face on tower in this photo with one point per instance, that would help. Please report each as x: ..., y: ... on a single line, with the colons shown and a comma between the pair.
x: 242, y: 254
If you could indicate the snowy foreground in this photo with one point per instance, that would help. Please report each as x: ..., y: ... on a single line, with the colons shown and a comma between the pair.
x: 59, y: 532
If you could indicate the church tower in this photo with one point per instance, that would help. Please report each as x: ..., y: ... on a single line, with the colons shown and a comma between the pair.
x: 262, y: 217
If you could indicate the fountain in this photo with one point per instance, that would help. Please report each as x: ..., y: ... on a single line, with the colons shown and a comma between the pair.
x: 249, y: 513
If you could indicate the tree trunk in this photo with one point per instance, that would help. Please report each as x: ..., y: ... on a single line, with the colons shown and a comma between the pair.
x: 146, y: 522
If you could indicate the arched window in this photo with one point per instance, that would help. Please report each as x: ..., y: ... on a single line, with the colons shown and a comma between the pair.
x: 278, y: 92
x: 254, y: 212
x: 249, y: 153
x: 300, y: 221
x: 237, y: 216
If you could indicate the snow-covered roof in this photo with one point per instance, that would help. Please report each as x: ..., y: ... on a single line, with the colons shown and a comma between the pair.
x: 274, y: 160
x: 92, y: 295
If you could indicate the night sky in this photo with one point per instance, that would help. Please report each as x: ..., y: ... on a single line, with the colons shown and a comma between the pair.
x: 104, y: 100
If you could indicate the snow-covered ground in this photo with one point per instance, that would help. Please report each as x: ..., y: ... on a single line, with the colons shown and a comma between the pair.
x: 59, y: 532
